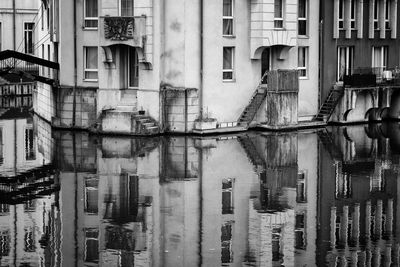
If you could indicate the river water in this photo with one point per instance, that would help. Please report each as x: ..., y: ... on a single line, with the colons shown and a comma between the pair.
x: 322, y: 197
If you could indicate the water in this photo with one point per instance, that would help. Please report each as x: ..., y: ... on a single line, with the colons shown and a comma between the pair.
x: 309, y: 198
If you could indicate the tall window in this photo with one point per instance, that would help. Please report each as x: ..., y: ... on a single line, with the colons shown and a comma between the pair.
x: 227, y: 17
x: 227, y: 196
x: 300, y: 239
x: 1, y: 36
x: 387, y: 15
x: 92, y: 245
x: 301, y: 190
x: 278, y: 14
x: 228, y: 64
x: 91, y: 10
x: 91, y: 195
x: 1, y: 147
x: 341, y: 14
x: 133, y: 68
x: 29, y: 145
x: 302, y: 18
x: 379, y: 59
x: 90, y: 63
x: 302, y: 61
x: 28, y: 37
x: 345, y: 59
x: 376, y: 14
x: 126, y: 8
x: 353, y: 12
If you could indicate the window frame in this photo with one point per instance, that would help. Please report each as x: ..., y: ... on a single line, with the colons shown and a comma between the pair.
x: 341, y: 13
x: 302, y: 19
x: 375, y: 16
x: 135, y: 66
x: 387, y: 15
x: 91, y: 19
x: 29, y: 31
x: 349, y: 61
x: 231, y: 70
x: 279, y: 20
x: 353, y: 14
x: 383, y: 62
x: 305, y: 59
x: 88, y: 70
x: 228, y: 18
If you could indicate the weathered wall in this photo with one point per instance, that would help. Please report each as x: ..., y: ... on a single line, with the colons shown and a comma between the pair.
x: 180, y: 108
x: 44, y: 101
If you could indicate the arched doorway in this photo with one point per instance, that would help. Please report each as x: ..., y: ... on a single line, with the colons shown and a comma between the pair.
x: 265, y: 63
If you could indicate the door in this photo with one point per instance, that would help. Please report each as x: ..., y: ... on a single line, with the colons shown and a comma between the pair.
x: 265, y: 64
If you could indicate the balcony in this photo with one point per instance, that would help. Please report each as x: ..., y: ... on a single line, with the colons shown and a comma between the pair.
x: 122, y: 30
x: 370, y: 77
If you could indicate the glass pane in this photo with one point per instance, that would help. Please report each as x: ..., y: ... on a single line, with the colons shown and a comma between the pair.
x: 92, y: 253
x: 126, y: 7
x: 302, y: 27
x: 91, y: 8
x: 133, y: 68
x: 227, y: 27
x: 227, y: 203
x: 278, y: 24
x: 227, y: 64
x: 91, y: 75
x: 227, y: 8
x: 302, y: 57
x: 227, y: 76
x: 91, y: 57
x: 302, y: 8
x: 278, y: 9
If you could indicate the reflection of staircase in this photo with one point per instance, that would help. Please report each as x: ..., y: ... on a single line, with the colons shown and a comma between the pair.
x: 326, y: 139
x: 257, y: 98
x: 327, y: 108
x: 251, y: 151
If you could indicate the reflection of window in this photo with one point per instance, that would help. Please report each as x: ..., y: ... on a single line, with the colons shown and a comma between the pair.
x: 228, y: 64
x: 126, y: 8
x: 28, y: 37
x: 29, y: 205
x: 91, y: 195
x: 90, y: 7
x: 4, y: 208
x: 343, y: 186
x: 377, y: 183
x: 227, y: 17
x: 301, y: 189
x: 227, y: 196
x: 29, y: 145
x: 91, y: 245
x: 5, y: 241
x: 29, y: 239
x: 302, y: 61
x: 345, y: 59
x: 302, y: 18
x: 1, y: 35
x: 226, y: 243
x: 90, y: 56
x: 278, y: 14
x: 276, y: 244
x: 300, y: 240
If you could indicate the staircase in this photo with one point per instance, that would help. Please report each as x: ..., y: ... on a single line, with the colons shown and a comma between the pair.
x: 326, y: 110
x: 327, y: 141
x: 128, y: 100
x: 251, y: 109
x: 251, y: 152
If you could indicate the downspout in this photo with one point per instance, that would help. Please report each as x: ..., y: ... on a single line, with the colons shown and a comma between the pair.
x: 14, y: 26
x: 201, y: 59
x: 75, y: 72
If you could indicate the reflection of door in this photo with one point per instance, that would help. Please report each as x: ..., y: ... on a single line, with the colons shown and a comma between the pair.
x: 265, y: 63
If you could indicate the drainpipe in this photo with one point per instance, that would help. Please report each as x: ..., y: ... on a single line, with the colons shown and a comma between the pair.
x: 201, y: 58
x: 75, y: 72
x: 14, y: 26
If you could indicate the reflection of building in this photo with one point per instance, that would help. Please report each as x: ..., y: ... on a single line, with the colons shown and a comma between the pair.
x: 358, y: 196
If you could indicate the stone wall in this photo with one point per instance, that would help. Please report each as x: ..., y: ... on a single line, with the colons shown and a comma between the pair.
x: 180, y: 109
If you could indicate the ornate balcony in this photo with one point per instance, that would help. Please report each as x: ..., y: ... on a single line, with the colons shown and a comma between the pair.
x: 122, y: 30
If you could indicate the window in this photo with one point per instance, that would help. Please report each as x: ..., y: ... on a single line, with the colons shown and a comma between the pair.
x: 90, y: 63
x: 91, y: 10
x: 29, y: 145
x: 387, y: 15
x: 1, y: 147
x: 302, y: 18
x: 28, y: 37
x: 29, y: 238
x: 1, y: 36
x: 345, y: 60
x: 227, y: 196
x: 300, y: 240
x: 126, y: 8
x: 227, y: 18
x: 343, y: 186
x: 133, y: 68
x: 301, y: 189
x: 92, y: 245
x: 379, y: 59
x: 91, y: 195
x: 353, y: 12
x: 227, y: 72
x: 376, y: 14
x: 278, y: 14
x: 302, y: 61
x: 276, y: 243
x: 5, y: 241
x: 341, y: 14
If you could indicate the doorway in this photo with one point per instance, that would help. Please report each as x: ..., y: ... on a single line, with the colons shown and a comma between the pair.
x: 265, y: 64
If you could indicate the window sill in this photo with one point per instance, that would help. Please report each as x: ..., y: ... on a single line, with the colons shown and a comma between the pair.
x: 303, y: 36
x: 91, y: 80
x: 89, y: 29
x: 303, y: 78
x: 229, y: 81
x: 229, y: 36
x: 279, y: 29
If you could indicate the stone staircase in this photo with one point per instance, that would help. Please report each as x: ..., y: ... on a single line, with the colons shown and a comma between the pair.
x: 327, y: 108
x: 251, y: 151
x: 257, y: 99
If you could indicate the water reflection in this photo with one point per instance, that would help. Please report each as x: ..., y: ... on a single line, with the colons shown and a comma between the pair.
x: 313, y: 198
